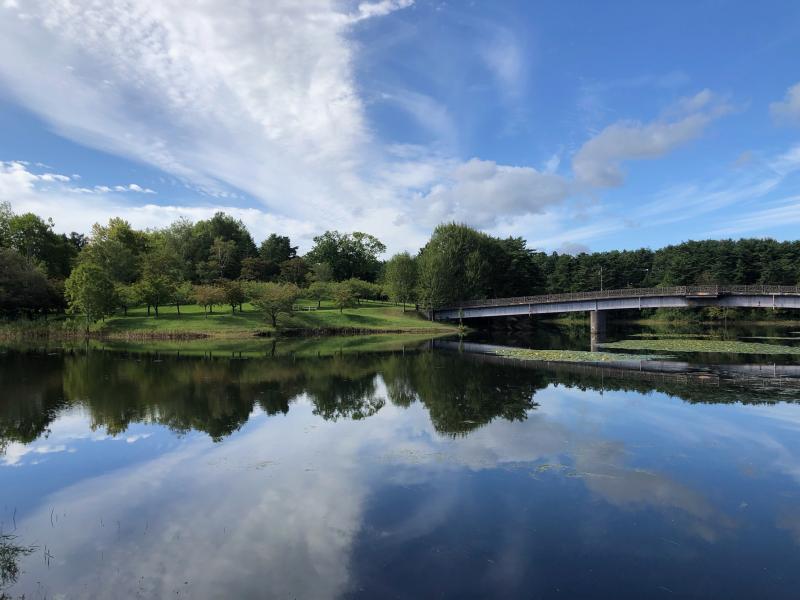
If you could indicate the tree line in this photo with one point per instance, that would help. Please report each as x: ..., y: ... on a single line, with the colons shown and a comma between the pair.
x: 216, y: 262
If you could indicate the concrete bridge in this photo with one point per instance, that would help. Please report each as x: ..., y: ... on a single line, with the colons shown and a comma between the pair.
x: 600, y: 302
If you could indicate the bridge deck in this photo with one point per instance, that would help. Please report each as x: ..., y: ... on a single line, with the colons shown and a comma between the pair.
x: 753, y: 296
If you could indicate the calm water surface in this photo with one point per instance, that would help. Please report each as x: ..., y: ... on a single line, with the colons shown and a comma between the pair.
x: 410, y: 473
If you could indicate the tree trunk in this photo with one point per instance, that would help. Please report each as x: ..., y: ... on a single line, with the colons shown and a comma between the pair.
x: 178, y: 307
x: 148, y: 310
x: 233, y: 309
x: 319, y: 303
x: 155, y: 307
x: 274, y: 320
x: 125, y: 310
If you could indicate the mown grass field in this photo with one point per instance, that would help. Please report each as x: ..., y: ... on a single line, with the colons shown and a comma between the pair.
x: 378, y: 316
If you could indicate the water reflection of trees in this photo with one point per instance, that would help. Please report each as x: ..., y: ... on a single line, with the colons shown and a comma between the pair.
x: 30, y: 399
x: 217, y: 396
x: 461, y: 395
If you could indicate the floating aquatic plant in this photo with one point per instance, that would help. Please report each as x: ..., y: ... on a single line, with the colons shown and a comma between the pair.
x: 572, y: 355
x: 713, y: 346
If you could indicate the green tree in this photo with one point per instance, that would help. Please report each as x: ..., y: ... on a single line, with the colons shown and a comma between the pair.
x: 294, y: 271
x: 275, y: 298
x: 156, y: 290
x: 277, y: 249
x: 344, y: 296
x: 181, y: 295
x: 400, y: 278
x: 6, y: 214
x: 207, y: 296
x: 319, y: 291
x: 201, y: 246
x: 128, y: 296
x: 23, y: 287
x: 454, y: 265
x: 221, y: 255
x: 321, y: 272
x: 34, y: 239
x: 348, y: 254
x: 255, y: 268
x: 117, y: 249
x: 90, y: 291
x: 234, y: 294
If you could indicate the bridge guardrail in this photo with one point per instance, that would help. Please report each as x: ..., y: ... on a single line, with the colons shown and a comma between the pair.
x: 684, y: 290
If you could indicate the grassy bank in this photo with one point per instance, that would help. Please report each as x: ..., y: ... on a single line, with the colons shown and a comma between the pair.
x: 193, y: 323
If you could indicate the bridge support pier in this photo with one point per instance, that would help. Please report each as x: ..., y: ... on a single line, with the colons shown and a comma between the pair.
x: 597, y: 323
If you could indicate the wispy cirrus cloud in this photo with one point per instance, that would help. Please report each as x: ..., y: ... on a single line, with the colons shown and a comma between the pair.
x: 599, y: 161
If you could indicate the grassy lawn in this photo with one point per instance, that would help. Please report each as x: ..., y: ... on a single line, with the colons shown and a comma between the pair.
x: 223, y: 323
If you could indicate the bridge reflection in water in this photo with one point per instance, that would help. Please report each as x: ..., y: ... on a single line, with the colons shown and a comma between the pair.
x: 600, y: 302
x: 689, y: 381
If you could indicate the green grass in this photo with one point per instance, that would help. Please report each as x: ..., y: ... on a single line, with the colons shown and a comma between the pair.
x: 713, y: 346
x: 377, y: 316
x: 572, y: 355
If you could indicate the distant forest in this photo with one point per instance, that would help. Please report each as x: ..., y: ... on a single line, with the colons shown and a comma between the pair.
x: 217, y: 261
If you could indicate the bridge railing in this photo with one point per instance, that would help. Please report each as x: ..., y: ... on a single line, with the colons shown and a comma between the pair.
x: 683, y: 290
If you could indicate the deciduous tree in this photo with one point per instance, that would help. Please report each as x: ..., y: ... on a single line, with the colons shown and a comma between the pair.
x: 275, y: 298
x: 90, y: 291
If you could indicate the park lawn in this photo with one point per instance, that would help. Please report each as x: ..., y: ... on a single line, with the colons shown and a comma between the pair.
x: 378, y: 316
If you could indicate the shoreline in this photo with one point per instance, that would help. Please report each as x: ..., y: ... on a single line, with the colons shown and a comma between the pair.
x: 281, y: 334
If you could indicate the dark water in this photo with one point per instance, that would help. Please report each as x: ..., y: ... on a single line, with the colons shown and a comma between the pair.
x: 410, y: 473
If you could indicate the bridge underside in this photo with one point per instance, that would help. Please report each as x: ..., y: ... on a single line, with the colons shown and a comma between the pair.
x: 754, y: 301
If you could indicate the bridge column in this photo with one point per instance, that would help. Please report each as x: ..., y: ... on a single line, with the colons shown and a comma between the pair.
x: 597, y: 323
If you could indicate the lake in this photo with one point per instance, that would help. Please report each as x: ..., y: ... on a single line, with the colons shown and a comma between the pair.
x: 394, y: 469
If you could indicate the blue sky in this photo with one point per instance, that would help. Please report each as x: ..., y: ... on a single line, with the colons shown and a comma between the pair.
x: 577, y: 125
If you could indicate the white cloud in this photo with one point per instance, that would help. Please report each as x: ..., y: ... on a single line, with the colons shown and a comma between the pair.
x: 263, y: 101
x: 788, y: 110
x: 382, y: 8
x: 78, y: 208
x: 781, y: 213
x: 573, y: 248
x: 504, y: 56
x: 599, y: 161
x: 481, y: 191
x: 429, y: 113
x: 215, y: 93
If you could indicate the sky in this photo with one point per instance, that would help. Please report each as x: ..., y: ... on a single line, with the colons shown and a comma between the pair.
x: 581, y: 126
